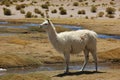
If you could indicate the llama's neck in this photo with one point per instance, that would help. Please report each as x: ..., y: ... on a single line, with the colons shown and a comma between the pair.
x: 52, y: 34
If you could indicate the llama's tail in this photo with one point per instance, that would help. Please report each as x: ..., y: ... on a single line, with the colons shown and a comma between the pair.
x: 90, y: 33
x: 93, y: 34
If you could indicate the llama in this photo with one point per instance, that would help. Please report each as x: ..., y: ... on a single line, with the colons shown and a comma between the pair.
x: 72, y: 42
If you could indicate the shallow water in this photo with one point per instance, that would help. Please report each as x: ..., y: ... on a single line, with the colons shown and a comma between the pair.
x: 89, y: 67
x: 27, y: 25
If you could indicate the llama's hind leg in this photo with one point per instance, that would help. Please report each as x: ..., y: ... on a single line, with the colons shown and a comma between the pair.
x: 86, y: 54
x: 67, y: 60
x: 95, y: 59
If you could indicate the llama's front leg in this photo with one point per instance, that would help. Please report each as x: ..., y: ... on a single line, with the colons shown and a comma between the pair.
x: 67, y: 60
x: 86, y: 54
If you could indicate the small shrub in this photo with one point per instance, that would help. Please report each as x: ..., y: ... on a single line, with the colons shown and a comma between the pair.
x: 63, y: 12
x: 34, y: 1
x: 112, y: 3
x: 93, y: 9
x: 37, y: 11
x: 21, y: 0
x: 47, y: 3
x: 110, y: 16
x: 28, y: 15
x: 93, y: 0
x: 7, y: 3
x: 61, y: 8
x: 86, y: 17
x: 18, y: 7
x: 22, y: 11
x: 7, y: 11
x: 81, y: 12
x: 110, y: 10
x: 86, y: 3
x: 42, y: 14
x: 44, y: 6
x: 54, y: 11
x: 23, y: 5
x: 100, y: 14
x: 75, y: 4
x: 71, y: 15
x: 62, y: 4
x: 14, y: 0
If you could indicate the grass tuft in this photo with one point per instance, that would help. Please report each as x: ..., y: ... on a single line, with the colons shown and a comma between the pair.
x: 16, y: 60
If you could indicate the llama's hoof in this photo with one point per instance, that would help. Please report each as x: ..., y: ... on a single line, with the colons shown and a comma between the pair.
x: 81, y: 70
x: 66, y: 72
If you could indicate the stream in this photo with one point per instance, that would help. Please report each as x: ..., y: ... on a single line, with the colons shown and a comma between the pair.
x: 54, y: 67
x: 27, y: 25
x: 49, y: 67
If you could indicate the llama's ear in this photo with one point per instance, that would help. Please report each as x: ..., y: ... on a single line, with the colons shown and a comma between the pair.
x: 48, y: 19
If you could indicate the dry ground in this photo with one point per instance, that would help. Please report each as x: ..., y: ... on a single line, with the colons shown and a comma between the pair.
x: 58, y: 75
x: 86, y: 75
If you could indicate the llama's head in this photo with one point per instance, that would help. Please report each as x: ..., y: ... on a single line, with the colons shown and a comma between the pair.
x: 45, y: 25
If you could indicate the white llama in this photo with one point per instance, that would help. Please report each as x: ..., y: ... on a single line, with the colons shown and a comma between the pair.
x: 72, y: 42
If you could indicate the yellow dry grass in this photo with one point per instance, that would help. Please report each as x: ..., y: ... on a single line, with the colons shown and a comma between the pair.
x: 16, y: 60
x: 113, y: 54
x: 16, y: 40
x: 30, y: 76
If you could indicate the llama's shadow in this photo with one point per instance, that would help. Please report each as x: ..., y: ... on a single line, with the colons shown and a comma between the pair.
x: 77, y: 73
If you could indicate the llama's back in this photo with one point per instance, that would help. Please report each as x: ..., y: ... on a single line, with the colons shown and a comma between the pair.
x: 78, y: 40
x: 88, y: 32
